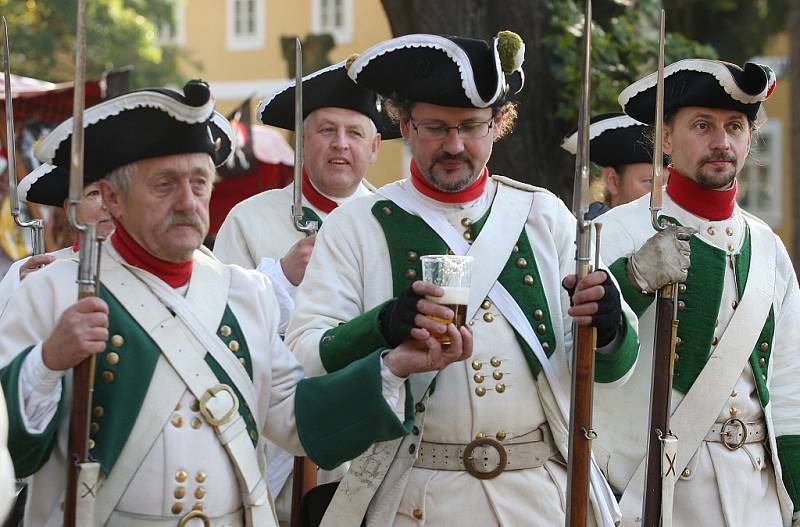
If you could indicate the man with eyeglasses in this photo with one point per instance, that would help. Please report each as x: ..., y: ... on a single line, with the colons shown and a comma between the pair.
x: 451, y: 97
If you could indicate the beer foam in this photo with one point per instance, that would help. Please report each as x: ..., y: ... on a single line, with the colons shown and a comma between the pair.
x: 452, y: 296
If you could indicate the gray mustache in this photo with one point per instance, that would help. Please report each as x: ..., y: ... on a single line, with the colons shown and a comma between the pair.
x: 183, y: 218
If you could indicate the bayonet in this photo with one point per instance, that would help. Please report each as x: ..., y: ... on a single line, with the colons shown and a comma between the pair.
x: 308, y: 227
x: 36, y: 226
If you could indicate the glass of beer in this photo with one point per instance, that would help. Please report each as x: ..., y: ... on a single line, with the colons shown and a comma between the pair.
x: 453, y: 274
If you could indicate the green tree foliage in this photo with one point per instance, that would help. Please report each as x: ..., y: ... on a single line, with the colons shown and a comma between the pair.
x: 119, y: 33
x: 624, y: 48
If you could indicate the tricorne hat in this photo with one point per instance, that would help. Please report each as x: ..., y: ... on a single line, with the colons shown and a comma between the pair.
x: 46, y: 185
x: 615, y: 139
x: 328, y: 87
x: 704, y: 83
x: 444, y: 70
x: 140, y: 125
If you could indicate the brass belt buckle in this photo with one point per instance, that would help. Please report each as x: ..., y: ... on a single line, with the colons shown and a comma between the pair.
x: 212, y: 392
x: 184, y: 521
x: 725, y: 435
x: 468, y: 458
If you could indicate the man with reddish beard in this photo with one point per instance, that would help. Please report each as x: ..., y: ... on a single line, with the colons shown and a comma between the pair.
x: 735, y: 397
x: 342, y: 133
x: 490, y: 437
x: 47, y: 185
x: 191, y: 375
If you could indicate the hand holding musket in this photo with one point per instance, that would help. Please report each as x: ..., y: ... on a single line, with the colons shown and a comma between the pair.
x: 82, y: 476
x: 36, y: 225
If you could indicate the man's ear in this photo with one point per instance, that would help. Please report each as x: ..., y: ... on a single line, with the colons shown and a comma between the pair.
x: 611, y: 179
x: 111, y: 197
x: 405, y: 126
x: 375, y: 148
x: 666, y: 140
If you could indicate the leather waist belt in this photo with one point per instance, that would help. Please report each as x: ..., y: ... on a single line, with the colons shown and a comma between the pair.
x: 735, y: 433
x: 192, y: 518
x: 486, y: 457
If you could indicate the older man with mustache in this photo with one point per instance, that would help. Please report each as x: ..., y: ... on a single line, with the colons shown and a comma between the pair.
x: 735, y: 398
x: 191, y: 376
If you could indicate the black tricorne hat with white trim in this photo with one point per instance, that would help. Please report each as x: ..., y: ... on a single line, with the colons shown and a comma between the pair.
x: 615, y: 139
x: 704, y: 83
x: 140, y: 125
x: 444, y: 70
x: 46, y: 185
x: 327, y: 88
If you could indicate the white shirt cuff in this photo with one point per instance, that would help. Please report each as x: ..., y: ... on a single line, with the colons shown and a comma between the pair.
x: 393, y: 389
x: 39, y: 391
x: 285, y: 291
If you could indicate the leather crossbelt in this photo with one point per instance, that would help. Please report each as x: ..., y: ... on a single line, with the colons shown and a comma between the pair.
x: 486, y: 457
x: 735, y: 433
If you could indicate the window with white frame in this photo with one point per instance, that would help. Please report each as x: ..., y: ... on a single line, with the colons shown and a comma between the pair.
x: 334, y: 17
x: 761, y: 180
x: 246, y: 24
x: 174, y: 31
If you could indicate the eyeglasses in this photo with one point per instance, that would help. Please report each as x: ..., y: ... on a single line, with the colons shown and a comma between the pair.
x: 439, y: 131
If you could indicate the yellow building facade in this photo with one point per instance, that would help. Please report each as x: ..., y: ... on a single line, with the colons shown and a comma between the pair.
x: 237, y: 44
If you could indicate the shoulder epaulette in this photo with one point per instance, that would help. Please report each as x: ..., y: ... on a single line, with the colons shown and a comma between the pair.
x: 519, y: 185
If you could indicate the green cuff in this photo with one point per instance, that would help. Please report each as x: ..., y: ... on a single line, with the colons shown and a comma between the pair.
x: 28, y: 451
x: 341, y: 414
x: 789, y: 456
x: 352, y: 340
x: 638, y: 301
x: 610, y: 367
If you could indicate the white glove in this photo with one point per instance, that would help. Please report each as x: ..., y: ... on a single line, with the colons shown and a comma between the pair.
x: 663, y: 259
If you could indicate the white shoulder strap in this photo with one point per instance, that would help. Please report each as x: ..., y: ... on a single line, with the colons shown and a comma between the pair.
x: 700, y: 407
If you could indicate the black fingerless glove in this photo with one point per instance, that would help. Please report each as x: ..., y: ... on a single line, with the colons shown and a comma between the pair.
x: 397, y: 318
x: 608, y: 318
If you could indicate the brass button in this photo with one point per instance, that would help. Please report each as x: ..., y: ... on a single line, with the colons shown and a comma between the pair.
x: 764, y: 346
x: 712, y: 231
x: 253, y: 435
x: 478, y: 378
x: 480, y: 435
x: 471, y: 322
x: 107, y: 376
x: 681, y: 305
x: 417, y: 514
x: 500, y: 388
x: 112, y: 358
x: 480, y: 391
x: 197, y: 507
x: 326, y: 339
x: 734, y: 411
x: 546, y: 346
x: 177, y: 421
x: 500, y: 435
x: 196, y: 423
x: 734, y: 393
x: 730, y: 247
x: 450, y: 252
x: 415, y: 430
x: 200, y: 477
x: 195, y: 405
x: 495, y: 361
x: 467, y: 235
x: 681, y: 288
x: 538, y: 314
x: 98, y: 411
x: 497, y: 375
x: 762, y: 362
x: 515, y: 249
x: 411, y: 274
x: 729, y: 231
x: 91, y: 444
x: 233, y: 345
x: 527, y: 279
x: 466, y: 222
x: 225, y: 331
x: 488, y: 317
x: 412, y: 256
x: 677, y: 358
x: 734, y: 304
x: 686, y: 473
x: 117, y: 341
x: 387, y: 211
x: 678, y: 341
x: 95, y: 427
x: 180, y: 476
x: 412, y: 448
x: 200, y: 493
x: 714, y: 341
x: 179, y: 493
x: 477, y: 365
x: 486, y: 304
x: 243, y: 361
x: 177, y: 508
x: 419, y: 407
x: 522, y: 263
x: 541, y: 329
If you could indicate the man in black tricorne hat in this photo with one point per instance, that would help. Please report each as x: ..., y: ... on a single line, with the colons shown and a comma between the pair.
x: 735, y: 398
x: 620, y: 146
x: 490, y: 437
x: 191, y: 375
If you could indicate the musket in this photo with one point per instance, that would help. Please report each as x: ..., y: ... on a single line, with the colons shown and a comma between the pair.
x: 308, y: 227
x: 35, y: 225
x: 585, y: 337
x: 82, y: 473
x: 660, y: 470
x: 304, y: 476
